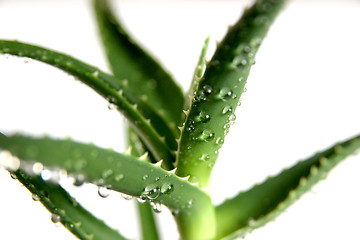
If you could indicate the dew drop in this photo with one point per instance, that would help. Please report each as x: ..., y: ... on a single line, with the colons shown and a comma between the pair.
x: 207, y: 89
x: 37, y: 168
x: 35, y: 197
x: 226, y: 128
x: 167, y: 188
x: 189, y: 203
x: 8, y: 161
x: 205, y: 157
x: 126, y: 196
x: 226, y: 109
x: 12, y: 175
x: 156, y: 207
x: 141, y: 200
x: 247, y: 49
x: 111, y: 106
x: 55, y: 218
x: 145, y: 177
x: 202, y: 117
x: 239, y: 62
x: 175, y: 212
x: 255, y: 42
x: 203, y: 93
x: 226, y: 94
x: 219, y: 141
x: 119, y: 177
x: 206, y: 135
x: 103, y: 192
x: 232, y: 119
x: 46, y: 175
x: 251, y: 222
x: 112, y: 103
x: 191, y: 126
x: 79, y: 180
x: 96, y: 74
x: 107, y: 173
x: 152, y: 191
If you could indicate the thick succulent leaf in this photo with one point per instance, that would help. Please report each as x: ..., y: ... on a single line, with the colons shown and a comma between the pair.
x: 191, y: 206
x: 198, y: 73
x: 104, y: 84
x: 146, y: 214
x: 220, y: 89
x: 145, y: 76
x: 148, y: 224
x: 66, y: 210
x: 264, y: 202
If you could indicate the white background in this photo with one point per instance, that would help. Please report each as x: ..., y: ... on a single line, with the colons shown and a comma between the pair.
x: 303, y: 95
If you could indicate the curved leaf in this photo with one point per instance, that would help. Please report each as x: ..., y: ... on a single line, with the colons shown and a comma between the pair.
x: 104, y: 84
x: 147, y: 220
x: 145, y: 76
x: 66, y: 210
x: 198, y: 73
x: 191, y: 207
x: 220, y: 89
x: 264, y: 202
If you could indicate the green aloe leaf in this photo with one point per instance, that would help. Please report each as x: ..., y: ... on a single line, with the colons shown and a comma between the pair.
x: 198, y: 73
x: 264, y: 202
x: 148, y: 223
x: 145, y: 76
x: 212, y: 110
x: 146, y: 214
x: 106, y: 85
x: 191, y: 207
x: 66, y: 210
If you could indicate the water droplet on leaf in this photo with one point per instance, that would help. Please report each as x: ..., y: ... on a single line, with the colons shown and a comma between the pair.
x: 103, y: 192
x: 79, y: 180
x: 202, y: 117
x: 232, y: 119
x: 156, y: 207
x: 46, y: 175
x: 55, y: 218
x: 152, y: 191
x: 107, y: 173
x: 126, y: 196
x: 35, y: 197
x: 8, y: 161
x: 219, y: 141
x: 205, y: 157
x: 206, y: 135
x: 167, y: 188
x: 12, y: 175
x: 226, y: 94
x: 119, y: 177
x: 226, y: 109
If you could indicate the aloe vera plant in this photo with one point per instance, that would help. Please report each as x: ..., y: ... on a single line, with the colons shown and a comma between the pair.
x: 171, y: 154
